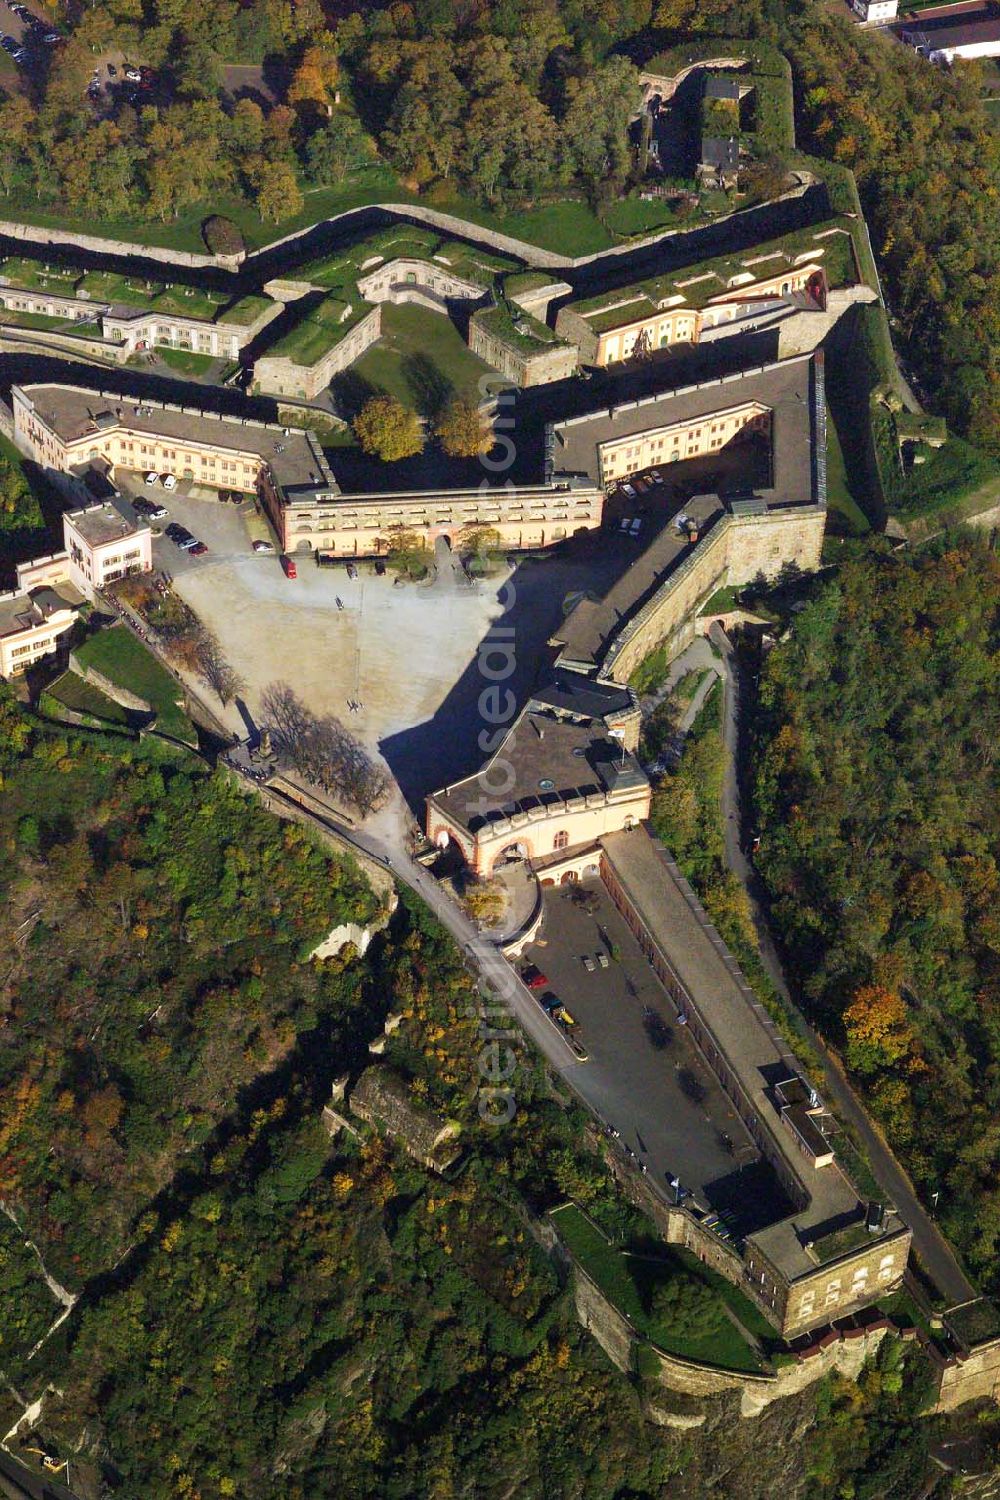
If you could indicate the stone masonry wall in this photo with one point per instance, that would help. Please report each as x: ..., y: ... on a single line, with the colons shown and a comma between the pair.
x: 88, y: 350
x: 611, y: 1330
x: 733, y: 552
x: 38, y: 235
x: 974, y: 1377
x: 111, y: 689
x: 845, y: 1351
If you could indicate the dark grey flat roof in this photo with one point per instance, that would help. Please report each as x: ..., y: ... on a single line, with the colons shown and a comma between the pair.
x: 942, y: 32
x: 574, y: 694
x: 542, y: 762
x: 295, y: 459
x: 589, y: 628
x: 720, y: 151
x: 787, y: 388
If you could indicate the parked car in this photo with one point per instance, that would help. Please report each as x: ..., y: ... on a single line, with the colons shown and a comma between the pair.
x: 168, y: 481
x: 152, y: 509
x: 535, y: 979
x: 291, y: 571
x: 549, y: 1002
x: 112, y: 70
x: 602, y: 960
x: 152, y: 478
x: 263, y: 547
x: 588, y: 963
x: 379, y: 568
x: 199, y: 549
x: 180, y: 535
x: 628, y: 490
x: 189, y: 543
x: 133, y: 75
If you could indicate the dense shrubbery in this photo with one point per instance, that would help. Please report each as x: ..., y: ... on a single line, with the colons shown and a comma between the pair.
x: 877, y: 799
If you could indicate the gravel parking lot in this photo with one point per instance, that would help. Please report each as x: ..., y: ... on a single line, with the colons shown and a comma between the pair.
x: 644, y: 1075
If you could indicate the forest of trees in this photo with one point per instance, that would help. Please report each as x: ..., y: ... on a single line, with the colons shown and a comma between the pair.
x: 877, y: 792
x: 156, y: 920
x: 289, y: 1315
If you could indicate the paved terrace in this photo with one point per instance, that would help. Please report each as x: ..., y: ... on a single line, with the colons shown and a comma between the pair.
x: 734, y: 1020
x: 295, y: 459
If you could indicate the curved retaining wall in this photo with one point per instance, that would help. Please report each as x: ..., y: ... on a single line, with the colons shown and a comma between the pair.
x: 46, y: 235
x: 533, y: 255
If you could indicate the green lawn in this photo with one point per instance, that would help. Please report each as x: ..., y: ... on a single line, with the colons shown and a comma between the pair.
x: 185, y: 361
x: 627, y: 1281
x: 851, y: 518
x: 569, y: 227
x: 72, y: 692
x: 956, y: 477
x: 421, y: 359
x: 37, y: 320
x: 124, y: 660
x: 635, y: 216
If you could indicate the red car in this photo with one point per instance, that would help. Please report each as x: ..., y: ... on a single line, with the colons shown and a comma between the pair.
x: 198, y: 549
x: 291, y: 571
x: 535, y: 979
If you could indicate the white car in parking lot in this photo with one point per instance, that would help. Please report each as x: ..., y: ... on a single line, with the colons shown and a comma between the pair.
x: 263, y: 546
x: 169, y: 482
x: 152, y: 478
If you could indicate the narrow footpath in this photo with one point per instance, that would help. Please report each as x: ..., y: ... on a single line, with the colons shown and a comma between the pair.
x: 933, y: 1250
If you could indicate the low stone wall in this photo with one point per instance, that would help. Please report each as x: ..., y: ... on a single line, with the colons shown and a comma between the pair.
x: 844, y: 1350
x: 968, y: 1377
x: 76, y: 345
x: 110, y: 689
x: 40, y: 235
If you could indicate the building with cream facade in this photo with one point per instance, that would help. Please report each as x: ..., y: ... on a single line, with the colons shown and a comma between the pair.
x: 63, y: 427
x: 683, y: 306
x: 363, y: 525
x: 32, y: 623
x: 561, y: 777
x: 130, y: 313
x: 102, y: 546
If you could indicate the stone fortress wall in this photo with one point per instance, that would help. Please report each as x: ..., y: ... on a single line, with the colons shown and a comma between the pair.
x: 734, y: 552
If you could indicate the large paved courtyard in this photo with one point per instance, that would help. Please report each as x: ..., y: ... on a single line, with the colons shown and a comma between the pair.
x: 410, y: 652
